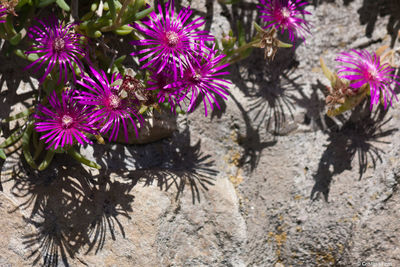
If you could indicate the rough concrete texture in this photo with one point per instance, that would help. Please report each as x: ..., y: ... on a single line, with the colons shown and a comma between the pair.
x: 270, y: 181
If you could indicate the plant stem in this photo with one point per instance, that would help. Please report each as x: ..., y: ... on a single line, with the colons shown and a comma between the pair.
x: 237, y: 51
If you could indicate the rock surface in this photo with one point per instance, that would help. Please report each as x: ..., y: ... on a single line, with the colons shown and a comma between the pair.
x: 270, y: 181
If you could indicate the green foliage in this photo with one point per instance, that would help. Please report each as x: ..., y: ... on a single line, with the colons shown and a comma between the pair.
x: 112, y: 15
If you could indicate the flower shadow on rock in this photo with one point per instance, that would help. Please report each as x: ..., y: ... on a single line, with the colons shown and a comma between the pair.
x: 270, y: 86
x: 271, y: 89
x: 69, y: 211
x: 319, y: 2
x: 274, y: 103
x: 264, y: 82
x: 12, y: 79
x: 170, y: 164
x: 371, y: 9
x: 357, y: 137
x: 208, y: 14
x: 246, y: 14
x: 15, y: 82
x: 315, y: 107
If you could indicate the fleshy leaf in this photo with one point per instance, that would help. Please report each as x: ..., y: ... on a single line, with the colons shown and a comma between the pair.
x: 284, y: 45
x: 79, y: 157
x: 258, y: 28
x: 25, y: 145
x: 47, y: 160
x: 63, y: 5
x: 20, y: 115
x: 2, y: 154
x: 328, y: 74
x: 14, y: 137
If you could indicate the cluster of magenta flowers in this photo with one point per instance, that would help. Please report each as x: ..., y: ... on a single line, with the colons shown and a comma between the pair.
x: 180, y: 65
x: 97, y: 108
x: 285, y: 15
x: 183, y: 68
x: 362, y: 68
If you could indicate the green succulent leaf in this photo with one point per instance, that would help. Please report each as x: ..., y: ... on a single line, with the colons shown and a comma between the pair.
x: 241, y: 34
x: 16, y: 39
x: 142, y: 14
x: 258, y: 28
x: 23, y: 114
x: 62, y: 4
x: 123, y: 30
x: 2, y: 154
x: 14, y: 137
x: 111, y: 7
x: 47, y: 160
x: 79, y: 157
x: 25, y: 145
x: 328, y: 74
x: 284, y: 45
x: 30, y: 57
x: 44, y: 3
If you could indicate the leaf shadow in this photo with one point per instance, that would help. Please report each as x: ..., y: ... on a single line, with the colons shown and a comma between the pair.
x: 170, y: 163
x: 70, y: 209
x: 75, y: 211
x: 357, y: 137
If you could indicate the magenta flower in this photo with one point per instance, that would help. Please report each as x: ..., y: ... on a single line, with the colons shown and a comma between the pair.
x: 286, y: 15
x: 158, y: 81
x: 365, y: 68
x: 3, y: 12
x: 65, y: 121
x: 170, y: 38
x: 57, y: 44
x: 110, y: 108
x: 201, y: 78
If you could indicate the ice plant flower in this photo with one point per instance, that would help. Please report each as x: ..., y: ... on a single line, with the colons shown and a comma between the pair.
x: 285, y: 15
x: 57, y: 45
x: 202, y: 79
x: 362, y: 68
x: 3, y: 12
x: 158, y: 82
x: 64, y: 122
x: 110, y: 107
x: 170, y: 38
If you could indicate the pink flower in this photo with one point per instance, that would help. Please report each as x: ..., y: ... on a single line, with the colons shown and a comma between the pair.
x: 170, y: 38
x: 57, y: 45
x: 65, y: 121
x: 201, y: 80
x: 110, y: 108
x: 285, y: 15
x: 363, y: 68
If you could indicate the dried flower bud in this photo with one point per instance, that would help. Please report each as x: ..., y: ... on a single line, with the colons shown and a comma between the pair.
x: 338, y: 93
x: 136, y: 91
x: 10, y: 6
x: 269, y: 43
x: 228, y: 41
